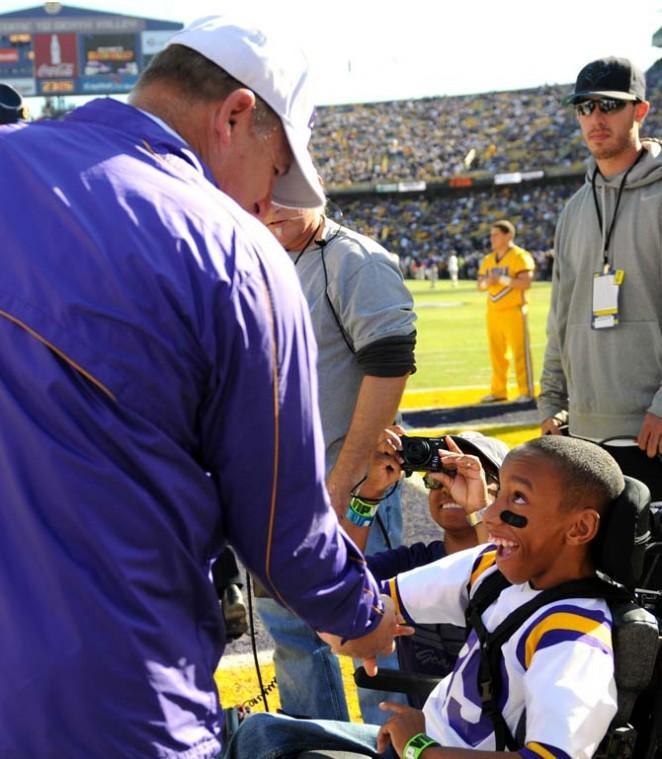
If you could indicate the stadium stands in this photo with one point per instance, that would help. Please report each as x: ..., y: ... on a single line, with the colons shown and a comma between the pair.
x: 433, y: 138
x: 428, y: 140
x: 425, y: 228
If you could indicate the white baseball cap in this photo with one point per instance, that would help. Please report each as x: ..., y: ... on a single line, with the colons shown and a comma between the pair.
x: 265, y: 63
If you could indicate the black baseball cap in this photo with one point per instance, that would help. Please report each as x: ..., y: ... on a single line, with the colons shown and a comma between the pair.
x: 11, y: 105
x: 616, y: 78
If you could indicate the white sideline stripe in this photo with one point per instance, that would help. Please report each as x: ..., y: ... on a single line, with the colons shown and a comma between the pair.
x: 231, y: 661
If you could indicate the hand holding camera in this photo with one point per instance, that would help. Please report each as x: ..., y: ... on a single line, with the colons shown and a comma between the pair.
x: 461, y: 474
x: 384, y: 467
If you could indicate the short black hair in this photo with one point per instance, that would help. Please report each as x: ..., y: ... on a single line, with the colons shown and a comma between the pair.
x: 591, y: 476
x: 505, y: 226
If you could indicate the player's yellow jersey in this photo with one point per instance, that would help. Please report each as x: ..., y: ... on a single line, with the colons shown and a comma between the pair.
x: 511, y: 264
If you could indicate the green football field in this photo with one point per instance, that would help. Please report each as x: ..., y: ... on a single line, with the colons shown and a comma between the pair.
x: 451, y: 349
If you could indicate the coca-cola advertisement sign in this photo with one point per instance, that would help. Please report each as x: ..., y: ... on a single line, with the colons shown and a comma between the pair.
x: 55, y: 56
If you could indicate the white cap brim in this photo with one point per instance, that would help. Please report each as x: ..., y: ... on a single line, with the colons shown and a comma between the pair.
x: 300, y: 187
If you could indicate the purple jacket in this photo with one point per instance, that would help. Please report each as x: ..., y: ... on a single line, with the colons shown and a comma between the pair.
x: 158, y: 397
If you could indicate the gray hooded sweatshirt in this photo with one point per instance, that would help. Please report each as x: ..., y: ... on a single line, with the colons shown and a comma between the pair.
x: 607, y: 378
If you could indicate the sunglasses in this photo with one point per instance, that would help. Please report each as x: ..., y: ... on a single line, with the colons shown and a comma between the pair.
x: 606, y: 105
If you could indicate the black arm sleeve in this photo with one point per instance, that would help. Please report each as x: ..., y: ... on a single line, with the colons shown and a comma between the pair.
x: 389, y: 357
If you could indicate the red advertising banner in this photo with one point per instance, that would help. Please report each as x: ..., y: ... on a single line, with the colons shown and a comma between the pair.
x: 8, y: 55
x: 55, y: 56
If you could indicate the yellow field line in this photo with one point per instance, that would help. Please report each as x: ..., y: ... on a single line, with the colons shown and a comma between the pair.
x: 446, y: 397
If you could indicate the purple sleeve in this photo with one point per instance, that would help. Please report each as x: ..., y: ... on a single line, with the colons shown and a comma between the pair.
x: 387, y: 564
x: 263, y: 444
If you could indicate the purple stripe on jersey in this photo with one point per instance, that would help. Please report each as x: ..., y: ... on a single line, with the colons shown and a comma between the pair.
x: 531, y: 752
x: 596, y: 615
x: 553, y: 637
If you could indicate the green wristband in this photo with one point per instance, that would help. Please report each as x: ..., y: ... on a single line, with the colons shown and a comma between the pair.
x: 417, y: 744
x: 361, y: 512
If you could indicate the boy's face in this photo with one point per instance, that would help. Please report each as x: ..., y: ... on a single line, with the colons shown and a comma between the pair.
x: 539, y: 552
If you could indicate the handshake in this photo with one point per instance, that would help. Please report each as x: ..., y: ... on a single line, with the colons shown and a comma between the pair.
x: 380, y: 640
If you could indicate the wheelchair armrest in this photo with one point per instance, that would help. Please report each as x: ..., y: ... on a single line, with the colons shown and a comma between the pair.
x: 394, y: 680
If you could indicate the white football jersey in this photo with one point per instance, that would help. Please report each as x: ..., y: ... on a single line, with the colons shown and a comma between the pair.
x: 558, y: 665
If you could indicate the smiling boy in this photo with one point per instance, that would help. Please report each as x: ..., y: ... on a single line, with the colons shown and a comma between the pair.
x: 558, y: 666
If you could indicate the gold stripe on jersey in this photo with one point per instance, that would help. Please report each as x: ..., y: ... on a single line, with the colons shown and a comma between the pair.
x: 565, y: 621
x: 487, y: 560
x: 540, y: 751
x: 395, y: 596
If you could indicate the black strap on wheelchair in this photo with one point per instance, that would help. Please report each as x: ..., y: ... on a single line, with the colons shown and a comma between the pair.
x: 485, y: 595
x: 489, y: 672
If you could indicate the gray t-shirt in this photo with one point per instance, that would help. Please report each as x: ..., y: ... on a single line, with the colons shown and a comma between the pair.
x: 369, y: 296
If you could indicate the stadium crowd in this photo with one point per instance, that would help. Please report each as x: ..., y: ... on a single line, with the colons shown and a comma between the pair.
x: 436, y: 138
x: 433, y: 138
x: 425, y: 229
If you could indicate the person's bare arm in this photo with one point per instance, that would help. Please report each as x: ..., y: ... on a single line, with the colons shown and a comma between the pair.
x: 376, y: 406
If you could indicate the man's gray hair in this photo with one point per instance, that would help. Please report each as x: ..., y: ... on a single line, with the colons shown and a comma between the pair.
x: 197, y: 79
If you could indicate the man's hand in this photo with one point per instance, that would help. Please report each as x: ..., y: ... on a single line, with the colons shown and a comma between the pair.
x: 384, y: 468
x: 650, y: 435
x: 551, y: 426
x: 403, y: 724
x: 378, y: 641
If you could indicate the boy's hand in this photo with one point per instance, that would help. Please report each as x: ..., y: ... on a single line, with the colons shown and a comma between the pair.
x: 384, y: 467
x: 468, y: 486
x: 402, y: 725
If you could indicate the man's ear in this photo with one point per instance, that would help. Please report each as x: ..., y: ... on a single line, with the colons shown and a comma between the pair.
x: 641, y: 110
x: 235, y: 112
x: 584, y: 527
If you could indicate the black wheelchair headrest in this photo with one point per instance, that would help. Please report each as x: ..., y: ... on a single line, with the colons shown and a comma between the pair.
x: 618, y: 549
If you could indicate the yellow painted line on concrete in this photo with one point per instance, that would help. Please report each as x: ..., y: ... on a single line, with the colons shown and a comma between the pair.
x: 447, y: 397
x: 237, y: 682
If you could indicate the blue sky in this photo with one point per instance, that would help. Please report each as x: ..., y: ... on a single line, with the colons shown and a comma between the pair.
x: 414, y: 48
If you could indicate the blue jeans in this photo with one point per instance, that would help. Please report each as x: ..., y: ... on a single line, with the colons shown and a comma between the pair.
x: 274, y: 736
x: 308, y: 673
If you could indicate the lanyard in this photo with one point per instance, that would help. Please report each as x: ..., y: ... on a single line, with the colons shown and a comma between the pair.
x: 618, y: 201
x: 310, y: 239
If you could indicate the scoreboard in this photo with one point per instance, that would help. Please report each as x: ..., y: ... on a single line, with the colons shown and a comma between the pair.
x: 64, y: 50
